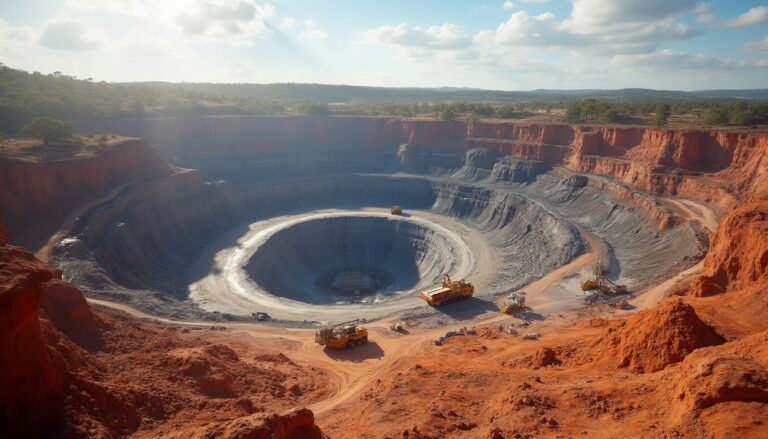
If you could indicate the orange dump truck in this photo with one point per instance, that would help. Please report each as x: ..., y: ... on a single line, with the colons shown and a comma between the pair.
x: 451, y: 291
x: 342, y: 336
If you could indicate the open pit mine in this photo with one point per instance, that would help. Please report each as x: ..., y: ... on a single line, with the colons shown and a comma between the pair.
x: 249, y: 277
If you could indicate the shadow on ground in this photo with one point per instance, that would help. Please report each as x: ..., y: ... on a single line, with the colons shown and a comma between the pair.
x: 467, y: 309
x: 370, y: 350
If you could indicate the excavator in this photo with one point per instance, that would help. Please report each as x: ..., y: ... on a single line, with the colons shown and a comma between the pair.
x: 451, y: 291
x: 341, y: 336
x: 600, y: 284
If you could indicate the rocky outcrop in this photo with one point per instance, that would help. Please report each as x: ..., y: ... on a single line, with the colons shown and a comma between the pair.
x: 35, y: 193
x: 30, y: 380
x: 738, y: 256
x: 67, y: 309
x: 296, y: 424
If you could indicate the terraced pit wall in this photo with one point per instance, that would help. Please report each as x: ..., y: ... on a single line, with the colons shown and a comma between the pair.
x: 514, y: 183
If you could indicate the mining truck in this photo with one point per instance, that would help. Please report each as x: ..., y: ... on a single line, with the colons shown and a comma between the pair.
x: 396, y: 210
x: 514, y: 302
x: 451, y: 291
x: 341, y: 336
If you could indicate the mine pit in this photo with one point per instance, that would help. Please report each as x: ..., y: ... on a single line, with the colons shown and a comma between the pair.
x: 305, y: 233
x: 348, y: 258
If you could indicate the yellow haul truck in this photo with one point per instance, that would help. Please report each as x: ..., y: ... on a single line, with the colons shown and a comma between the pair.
x: 451, y: 291
x: 341, y: 336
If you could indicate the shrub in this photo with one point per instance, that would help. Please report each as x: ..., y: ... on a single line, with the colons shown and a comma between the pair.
x: 48, y: 129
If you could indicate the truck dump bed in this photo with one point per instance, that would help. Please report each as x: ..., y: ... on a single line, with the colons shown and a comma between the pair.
x: 435, y: 295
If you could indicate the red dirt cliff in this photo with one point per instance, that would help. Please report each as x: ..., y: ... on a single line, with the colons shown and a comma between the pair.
x: 30, y: 381
x: 33, y: 193
x: 714, y: 167
x: 738, y: 255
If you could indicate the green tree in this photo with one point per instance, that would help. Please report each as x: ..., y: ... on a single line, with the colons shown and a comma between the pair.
x: 663, y: 111
x: 48, y: 130
x: 448, y: 114
x: 608, y: 115
x: 2, y: 140
x: 573, y: 113
x: 718, y: 116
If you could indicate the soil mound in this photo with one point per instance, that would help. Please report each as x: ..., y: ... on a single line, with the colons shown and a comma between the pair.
x: 653, y: 339
x: 725, y: 382
x: 738, y: 256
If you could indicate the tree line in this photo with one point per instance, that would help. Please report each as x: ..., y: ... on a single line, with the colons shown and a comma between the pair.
x: 25, y: 96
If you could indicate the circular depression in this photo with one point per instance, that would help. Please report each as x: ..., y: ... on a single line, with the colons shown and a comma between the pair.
x: 353, y: 258
x: 286, y: 265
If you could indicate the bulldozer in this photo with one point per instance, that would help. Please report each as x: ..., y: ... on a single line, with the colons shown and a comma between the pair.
x: 451, y: 291
x: 514, y: 302
x: 396, y: 210
x: 341, y: 336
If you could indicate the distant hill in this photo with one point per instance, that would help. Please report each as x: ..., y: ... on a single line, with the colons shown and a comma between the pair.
x: 352, y: 94
x: 25, y: 95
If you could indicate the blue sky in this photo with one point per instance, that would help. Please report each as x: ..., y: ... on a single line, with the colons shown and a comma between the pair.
x: 510, y: 45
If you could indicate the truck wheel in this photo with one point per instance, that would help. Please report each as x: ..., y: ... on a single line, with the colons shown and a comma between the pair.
x: 365, y: 340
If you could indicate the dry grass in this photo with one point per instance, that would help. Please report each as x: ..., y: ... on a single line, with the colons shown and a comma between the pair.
x: 33, y: 150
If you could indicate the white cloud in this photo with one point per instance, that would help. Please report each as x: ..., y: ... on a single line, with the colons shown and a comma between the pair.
x: 124, y: 7
x: 10, y: 34
x: 703, y: 13
x: 674, y: 60
x: 143, y: 44
x: 289, y: 23
x: 235, y: 22
x: 307, y: 30
x: 524, y: 29
x: 703, y: 8
x: 446, y: 37
x: 590, y: 16
x: 508, y: 5
x: 760, y: 45
x: 70, y: 35
x: 757, y: 15
x: 314, y: 34
x: 535, y: 1
x: 598, y: 38
x: 595, y: 28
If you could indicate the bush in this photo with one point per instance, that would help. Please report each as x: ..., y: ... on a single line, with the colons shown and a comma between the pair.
x: 506, y: 112
x: 49, y: 130
x: 316, y: 109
